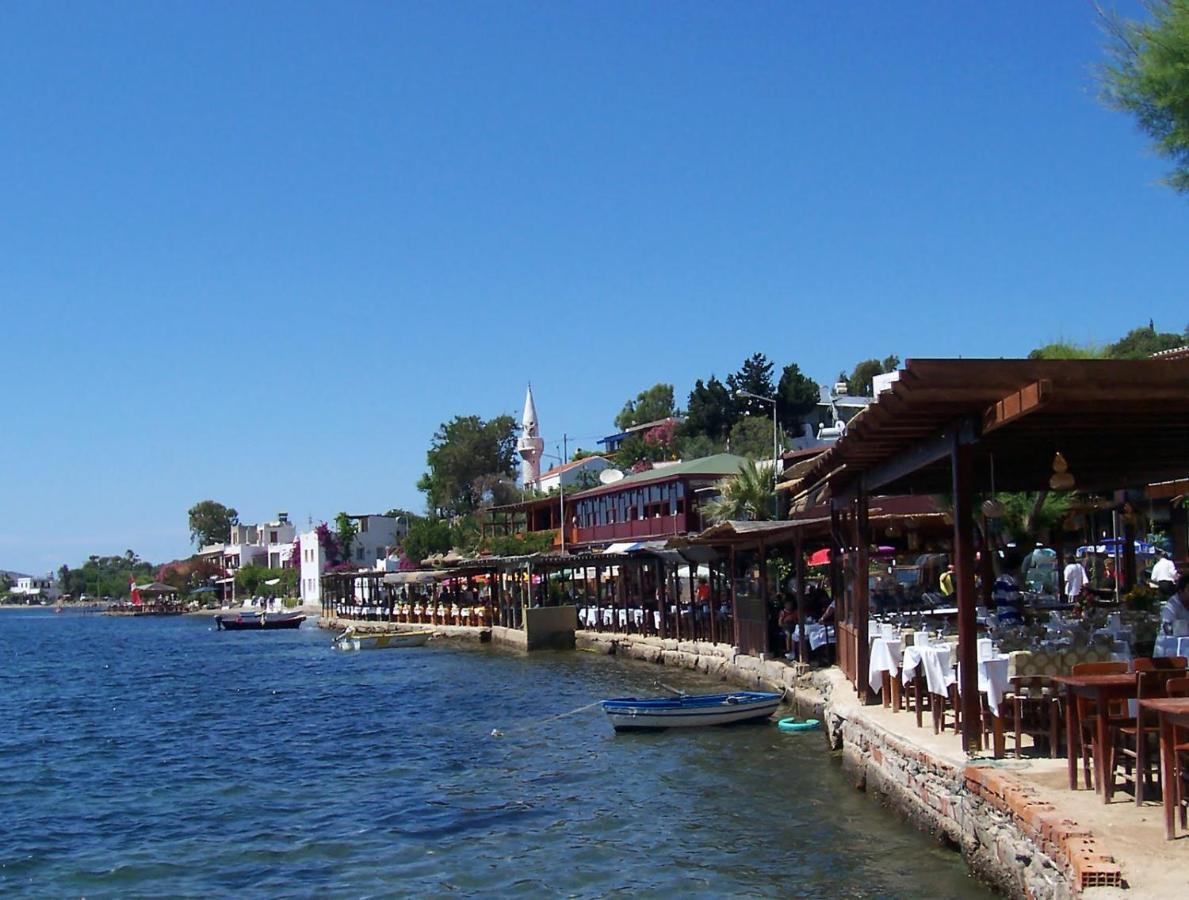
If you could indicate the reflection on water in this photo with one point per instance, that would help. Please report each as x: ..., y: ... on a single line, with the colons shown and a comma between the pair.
x: 155, y: 757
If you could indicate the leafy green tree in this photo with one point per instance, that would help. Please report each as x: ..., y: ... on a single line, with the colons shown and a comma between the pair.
x: 710, y: 411
x: 397, y: 513
x: 1140, y: 343
x: 464, y: 450
x: 747, y: 495
x: 754, y: 377
x: 636, y: 449
x: 1066, y: 350
x: 347, y: 529
x: 651, y: 405
x: 797, y: 397
x: 860, y: 381
x: 1148, y: 77
x: 752, y: 437
x: 211, y: 522
x: 697, y: 446
x: 425, y: 538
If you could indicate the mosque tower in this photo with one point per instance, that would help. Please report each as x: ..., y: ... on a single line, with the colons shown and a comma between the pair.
x: 530, y: 446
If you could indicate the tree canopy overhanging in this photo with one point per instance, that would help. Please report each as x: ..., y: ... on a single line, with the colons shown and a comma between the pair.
x: 1148, y: 77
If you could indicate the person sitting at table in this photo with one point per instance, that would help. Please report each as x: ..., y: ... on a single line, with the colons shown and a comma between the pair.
x: 1176, y: 607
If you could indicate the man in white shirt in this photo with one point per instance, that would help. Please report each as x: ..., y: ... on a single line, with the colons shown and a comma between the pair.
x: 1164, y: 574
x: 1075, y: 579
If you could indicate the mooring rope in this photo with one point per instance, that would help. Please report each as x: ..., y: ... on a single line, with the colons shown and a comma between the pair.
x: 499, y: 733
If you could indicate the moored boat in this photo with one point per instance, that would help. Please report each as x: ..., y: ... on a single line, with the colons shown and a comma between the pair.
x: 689, y: 711
x: 384, y: 640
x: 258, y: 621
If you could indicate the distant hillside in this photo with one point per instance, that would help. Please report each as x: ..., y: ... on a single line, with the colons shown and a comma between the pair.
x: 13, y: 576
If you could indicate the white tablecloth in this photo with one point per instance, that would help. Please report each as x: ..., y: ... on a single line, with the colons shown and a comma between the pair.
x: 939, y: 673
x: 1167, y: 645
x: 588, y: 615
x: 885, y: 657
x: 819, y: 635
x: 992, y: 681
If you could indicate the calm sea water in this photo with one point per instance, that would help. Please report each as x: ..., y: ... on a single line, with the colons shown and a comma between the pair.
x: 158, y: 757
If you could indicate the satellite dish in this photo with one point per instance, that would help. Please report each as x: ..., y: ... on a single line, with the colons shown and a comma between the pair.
x: 610, y: 476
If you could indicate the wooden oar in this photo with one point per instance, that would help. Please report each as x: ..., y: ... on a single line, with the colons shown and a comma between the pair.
x: 672, y: 690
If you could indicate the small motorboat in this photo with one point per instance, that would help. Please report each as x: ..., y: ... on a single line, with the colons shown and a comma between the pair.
x: 689, y: 710
x: 381, y: 640
x: 258, y: 621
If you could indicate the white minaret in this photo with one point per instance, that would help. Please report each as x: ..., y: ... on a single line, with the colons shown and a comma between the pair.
x: 530, y: 445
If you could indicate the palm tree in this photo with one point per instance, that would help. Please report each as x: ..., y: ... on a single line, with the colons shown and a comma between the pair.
x: 745, y: 495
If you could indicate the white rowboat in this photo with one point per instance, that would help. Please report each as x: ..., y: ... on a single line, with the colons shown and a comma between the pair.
x: 385, y: 640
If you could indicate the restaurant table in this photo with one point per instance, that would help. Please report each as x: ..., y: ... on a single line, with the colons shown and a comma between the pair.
x: 884, y: 665
x: 1173, y: 713
x: 1102, y: 689
x: 819, y: 635
x: 1170, y: 645
x: 936, y: 662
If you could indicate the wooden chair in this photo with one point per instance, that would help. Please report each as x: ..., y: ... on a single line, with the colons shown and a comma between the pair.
x: 1179, y: 777
x: 1136, y: 741
x: 1036, y: 711
x: 1088, y: 713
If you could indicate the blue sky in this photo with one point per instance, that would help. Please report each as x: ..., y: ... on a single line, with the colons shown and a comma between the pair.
x: 258, y: 252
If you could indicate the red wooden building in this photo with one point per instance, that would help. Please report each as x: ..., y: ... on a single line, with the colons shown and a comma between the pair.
x: 651, y: 505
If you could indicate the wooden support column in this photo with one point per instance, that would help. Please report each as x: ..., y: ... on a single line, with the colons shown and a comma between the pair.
x: 662, y: 605
x: 598, y: 598
x: 762, y: 551
x: 696, y: 627
x: 714, y: 603
x: 861, y: 595
x: 799, y: 572
x: 1130, y: 568
x: 963, y: 493
x: 734, y: 604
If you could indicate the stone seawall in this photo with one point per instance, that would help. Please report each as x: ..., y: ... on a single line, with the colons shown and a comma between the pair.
x: 1009, y: 837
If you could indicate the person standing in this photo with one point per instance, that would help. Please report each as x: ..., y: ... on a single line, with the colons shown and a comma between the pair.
x: 1164, y: 574
x: 1075, y: 580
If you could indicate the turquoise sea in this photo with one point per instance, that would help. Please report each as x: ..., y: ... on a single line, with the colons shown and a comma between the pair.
x: 158, y: 757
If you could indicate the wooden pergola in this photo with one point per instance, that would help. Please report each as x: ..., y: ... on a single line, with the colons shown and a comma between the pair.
x: 967, y: 426
x: 804, y: 532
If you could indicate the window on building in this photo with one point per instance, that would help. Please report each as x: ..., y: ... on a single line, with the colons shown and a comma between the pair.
x: 363, y: 525
x: 272, y: 537
x: 359, y: 553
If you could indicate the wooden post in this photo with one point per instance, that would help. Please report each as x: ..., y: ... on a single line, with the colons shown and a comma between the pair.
x: 799, y: 553
x: 598, y: 598
x: 714, y: 603
x: 762, y: 551
x: 1129, y: 572
x: 662, y: 600
x: 964, y: 590
x: 861, y: 594
x: 734, y: 604
x: 698, y: 633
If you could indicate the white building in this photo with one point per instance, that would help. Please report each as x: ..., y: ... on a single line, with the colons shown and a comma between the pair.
x: 376, y: 539
x: 33, y: 589
x: 267, y: 544
x: 571, y: 474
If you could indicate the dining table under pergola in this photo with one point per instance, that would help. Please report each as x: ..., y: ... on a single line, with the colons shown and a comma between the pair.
x: 962, y: 427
